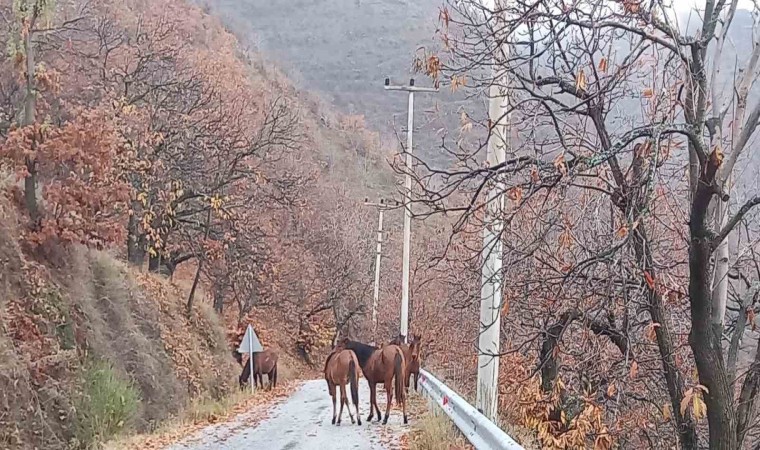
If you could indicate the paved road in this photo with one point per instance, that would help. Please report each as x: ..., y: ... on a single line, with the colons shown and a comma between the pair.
x: 302, y: 422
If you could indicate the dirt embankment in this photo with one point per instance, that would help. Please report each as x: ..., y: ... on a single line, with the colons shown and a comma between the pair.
x: 90, y: 349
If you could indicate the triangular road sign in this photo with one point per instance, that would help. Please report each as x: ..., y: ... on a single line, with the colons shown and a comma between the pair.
x: 250, y: 343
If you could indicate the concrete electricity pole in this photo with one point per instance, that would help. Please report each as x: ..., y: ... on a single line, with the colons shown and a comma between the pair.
x: 411, y: 89
x: 491, y: 290
x: 381, y: 206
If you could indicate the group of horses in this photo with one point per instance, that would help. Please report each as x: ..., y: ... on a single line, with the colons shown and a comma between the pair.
x: 392, y: 364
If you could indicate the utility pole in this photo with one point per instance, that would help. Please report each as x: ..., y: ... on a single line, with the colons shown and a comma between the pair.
x: 381, y: 206
x: 491, y: 289
x: 411, y: 89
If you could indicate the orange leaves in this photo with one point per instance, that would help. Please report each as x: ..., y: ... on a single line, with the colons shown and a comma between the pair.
x: 633, y: 372
x: 631, y: 6
x: 458, y: 81
x: 622, y: 231
x: 504, y: 307
x: 83, y: 203
x: 715, y: 160
x: 433, y: 66
x: 649, y: 280
x: 650, y: 331
x: 694, y: 403
x: 559, y: 163
x: 603, y: 65
x: 580, y: 81
x: 515, y: 194
x: 554, y: 428
x: 535, y: 176
x: 647, y: 93
x: 667, y: 414
x: 444, y: 17
x: 565, y: 239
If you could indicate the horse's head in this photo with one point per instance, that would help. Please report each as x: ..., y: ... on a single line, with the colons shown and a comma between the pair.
x: 342, y: 343
x: 414, y: 346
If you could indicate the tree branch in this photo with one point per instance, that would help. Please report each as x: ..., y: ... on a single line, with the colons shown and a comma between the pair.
x: 734, y: 221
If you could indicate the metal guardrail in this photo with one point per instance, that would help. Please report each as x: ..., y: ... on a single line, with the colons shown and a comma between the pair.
x: 481, y: 432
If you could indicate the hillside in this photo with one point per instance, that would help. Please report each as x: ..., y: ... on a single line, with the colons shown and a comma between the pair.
x: 168, y: 188
x: 90, y: 348
x: 345, y: 49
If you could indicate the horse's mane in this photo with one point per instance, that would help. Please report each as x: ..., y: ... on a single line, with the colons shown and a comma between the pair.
x: 362, y: 351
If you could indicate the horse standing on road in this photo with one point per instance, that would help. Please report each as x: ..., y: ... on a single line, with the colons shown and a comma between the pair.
x: 342, y: 368
x: 412, y: 355
x: 381, y: 365
x: 264, y: 363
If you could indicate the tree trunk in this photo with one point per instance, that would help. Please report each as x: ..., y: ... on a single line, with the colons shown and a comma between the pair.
x: 748, y: 399
x: 720, y: 274
x: 704, y: 341
x: 547, y: 356
x: 159, y: 264
x: 687, y: 432
x: 154, y: 263
x: 29, y: 117
x: 191, y: 296
x: 135, y: 241
x: 218, y: 301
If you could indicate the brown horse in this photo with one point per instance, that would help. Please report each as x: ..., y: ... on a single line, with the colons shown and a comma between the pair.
x: 412, y: 355
x: 381, y: 365
x: 342, y: 368
x: 264, y: 363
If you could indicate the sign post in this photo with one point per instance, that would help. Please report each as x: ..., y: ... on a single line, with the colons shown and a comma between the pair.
x: 250, y: 344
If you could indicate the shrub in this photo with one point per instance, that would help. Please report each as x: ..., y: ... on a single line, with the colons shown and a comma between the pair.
x: 108, y: 405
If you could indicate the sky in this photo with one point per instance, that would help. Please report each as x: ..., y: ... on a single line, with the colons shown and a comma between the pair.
x: 685, y: 5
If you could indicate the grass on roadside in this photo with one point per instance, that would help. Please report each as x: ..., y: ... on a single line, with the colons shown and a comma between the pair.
x: 432, y: 429
x: 201, y: 412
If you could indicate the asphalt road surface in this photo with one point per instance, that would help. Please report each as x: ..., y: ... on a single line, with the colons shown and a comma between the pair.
x: 302, y: 422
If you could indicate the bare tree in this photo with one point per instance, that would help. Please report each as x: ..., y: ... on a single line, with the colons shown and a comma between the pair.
x: 609, y: 102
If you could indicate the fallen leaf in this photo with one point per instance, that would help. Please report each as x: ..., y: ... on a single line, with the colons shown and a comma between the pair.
x: 666, y: 413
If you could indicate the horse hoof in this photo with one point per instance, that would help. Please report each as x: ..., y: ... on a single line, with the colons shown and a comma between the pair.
x: 385, y: 421
x: 405, y: 420
x: 360, y: 422
x: 369, y: 419
x: 333, y: 421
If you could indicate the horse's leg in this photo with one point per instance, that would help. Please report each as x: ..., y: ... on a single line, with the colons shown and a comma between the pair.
x: 416, y: 377
x: 371, y: 401
x: 389, y: 398
x: 343, y: 401
x: 348, y: 404
x: 377, y: 408
x: 403, y: 408
x: 331, y: 388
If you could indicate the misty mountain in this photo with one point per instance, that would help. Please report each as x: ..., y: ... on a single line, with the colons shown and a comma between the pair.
x: 344, y: 50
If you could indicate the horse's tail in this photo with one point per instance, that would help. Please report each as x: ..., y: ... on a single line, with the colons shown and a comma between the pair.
x: 353, y: 378
x: 399, y: 370
x: 244, y: 375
